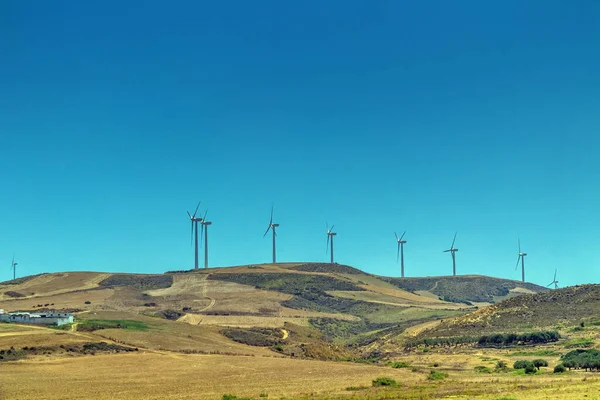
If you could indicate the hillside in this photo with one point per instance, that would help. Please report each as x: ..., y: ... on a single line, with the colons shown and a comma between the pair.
x: 466, y: 288
x: 335, y: 304
x: 562, y: 307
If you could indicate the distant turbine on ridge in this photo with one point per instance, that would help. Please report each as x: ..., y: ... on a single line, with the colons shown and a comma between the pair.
x: 522, y: 259
x: 195, y: 221
x: 330, y: 235
x: 13, y: 265
x: 554, y: 282
x: 452, y: 250
x: 205, y: 225
x: 400, y: 254
x: 272, y: 227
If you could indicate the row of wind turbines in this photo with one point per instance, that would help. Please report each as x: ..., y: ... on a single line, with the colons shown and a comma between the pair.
x: 329, y: 247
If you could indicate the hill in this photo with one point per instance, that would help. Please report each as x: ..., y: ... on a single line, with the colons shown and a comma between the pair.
x: 335, y: 304
x: 550, y: 309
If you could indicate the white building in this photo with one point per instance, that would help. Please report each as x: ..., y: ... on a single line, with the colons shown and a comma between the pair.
x: 48, y: 318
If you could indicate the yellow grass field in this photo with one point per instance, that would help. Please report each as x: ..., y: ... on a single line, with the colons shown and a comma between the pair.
x: 151, y: 375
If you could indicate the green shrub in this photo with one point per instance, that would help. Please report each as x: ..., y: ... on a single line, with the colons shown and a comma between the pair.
x: 501, y: 366
x: 559, y: 369
x: 232, y: 397
x: 480, y: 369
x: 521, y: 364
x: 384, y: 382
x: 530, y: 369
x: 400, y: 364
x: 437, y: 375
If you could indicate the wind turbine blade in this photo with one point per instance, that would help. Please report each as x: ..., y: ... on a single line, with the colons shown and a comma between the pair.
x: 268, y: 229
x: 271, y: 220
x: 398, y: 255
x: 327, y: 226
x: 192, y: 233
x: 327, y: 246
x: 204, y: 218
x: 453, y: 240
x: 555, y: 275
x: 518, y: 259
x: 403, y: 235
x: 519, y: 246
x: 189, y: 215
x: 331, y: 230
x: 550, y: 284
x: 196, y: 209
x: 396, y: 237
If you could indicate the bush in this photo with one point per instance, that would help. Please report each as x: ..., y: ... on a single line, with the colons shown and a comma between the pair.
x: 559, y: 369
x: 437, y: 375
x: 530, y: 369
x: 480, y: 369
x: 540, y: 363
x: 87, y: 302
x: 400, y: 364
x: 521, y: 364
x: 501, y: 366
x: 384, y: 382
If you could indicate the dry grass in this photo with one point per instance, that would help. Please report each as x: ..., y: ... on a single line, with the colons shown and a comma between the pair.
x: 64, y: 300
x: 52, y: 284
x: 154, y: 376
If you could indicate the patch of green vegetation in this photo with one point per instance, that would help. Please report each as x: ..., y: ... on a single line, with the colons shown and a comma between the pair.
x: 89, y: 325
x: 232, y: 397
x: 462, y: 289
x: 582, y: 359
x: 328, y: 267
x: 400, y: 364
x: 480, y: 369
x: 255, y: 336
x: 506, y: 398
x: 356, y: 388
x: 142, y: 282
x: 287, y: 282
x: 559, y: 369
x: 509, y: 339
x: 582, y: 342
x: 384, y: 382
x: 437, y: 375
x: 535, y: 353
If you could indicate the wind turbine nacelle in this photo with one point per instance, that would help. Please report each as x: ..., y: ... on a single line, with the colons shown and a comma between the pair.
x: 206, y: 223
x: 332, y: 234
x: 275, y: 225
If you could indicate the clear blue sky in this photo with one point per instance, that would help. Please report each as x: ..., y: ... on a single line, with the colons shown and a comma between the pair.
x: 429, y: 116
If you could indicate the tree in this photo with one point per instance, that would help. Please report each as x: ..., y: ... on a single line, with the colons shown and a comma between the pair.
x: 540, y: 363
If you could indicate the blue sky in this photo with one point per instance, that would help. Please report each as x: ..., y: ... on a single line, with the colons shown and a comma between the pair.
x: 431, y: 117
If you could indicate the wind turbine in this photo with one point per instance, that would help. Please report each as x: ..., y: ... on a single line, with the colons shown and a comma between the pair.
x: 554, y: 282
x: 205, y: 224
x: 522, y: 259
x: 272, y: 227
x: 330, y: 235
x: 13, y: 265
x: 452, y: 250
x: 400, y: 252
x: 195, y: 221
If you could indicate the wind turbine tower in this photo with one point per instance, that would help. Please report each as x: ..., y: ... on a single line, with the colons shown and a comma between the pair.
x: 554, y: 282
x: 13, y: 265
x: 400, y: 254
x: 205, y: 224
x: 330, y: 235
x: 522, y: 259
x: 272, y: 227
x: 452, y: 251
x: 195, y: 221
